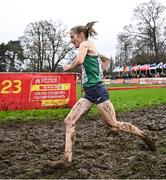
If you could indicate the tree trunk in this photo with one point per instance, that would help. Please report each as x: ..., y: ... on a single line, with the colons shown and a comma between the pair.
x: 12, y: 64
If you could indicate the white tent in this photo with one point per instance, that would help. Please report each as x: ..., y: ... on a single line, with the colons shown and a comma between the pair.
x: 116, y: 69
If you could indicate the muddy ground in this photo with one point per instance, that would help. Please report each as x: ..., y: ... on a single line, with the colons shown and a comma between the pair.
x: 99, y: 153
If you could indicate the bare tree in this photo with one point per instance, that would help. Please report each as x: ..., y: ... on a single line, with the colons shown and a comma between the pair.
x: 149, y: 28
x: 144, y: 40
x: 46, y: 45
x: 124, y: 49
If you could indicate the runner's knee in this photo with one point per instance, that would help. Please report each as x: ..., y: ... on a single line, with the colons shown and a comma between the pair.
x: 113, y: 126
x: 120, y: 125
x: 68, y: 121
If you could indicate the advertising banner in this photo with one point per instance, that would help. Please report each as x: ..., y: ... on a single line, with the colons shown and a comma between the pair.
x: 20, y: 91
x: 117, y: 81
x: 161, y: 80
x: 131, y: 81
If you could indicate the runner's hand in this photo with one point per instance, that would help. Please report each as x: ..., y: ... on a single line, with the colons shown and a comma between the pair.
x: 66, y: 68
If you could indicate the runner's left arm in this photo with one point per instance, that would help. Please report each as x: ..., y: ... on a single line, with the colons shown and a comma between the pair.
x: 105, y: 61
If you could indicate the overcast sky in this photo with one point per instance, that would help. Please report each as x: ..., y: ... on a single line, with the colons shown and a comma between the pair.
x: 112, y: 15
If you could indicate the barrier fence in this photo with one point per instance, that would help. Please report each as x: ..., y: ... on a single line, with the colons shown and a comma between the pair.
x: 19, y: 91
x: 139, y: 81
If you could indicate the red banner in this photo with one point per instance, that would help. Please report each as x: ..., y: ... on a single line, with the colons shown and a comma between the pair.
x: 117, y: 81
x: 132, y: 81
x: 161, y: 80
x: 20, y: 91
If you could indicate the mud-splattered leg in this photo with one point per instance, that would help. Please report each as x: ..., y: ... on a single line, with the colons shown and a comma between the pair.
x: 107, y: 112
x: 81, y: 107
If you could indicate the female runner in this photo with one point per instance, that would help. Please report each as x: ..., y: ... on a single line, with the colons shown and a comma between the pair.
x: 95, y: 93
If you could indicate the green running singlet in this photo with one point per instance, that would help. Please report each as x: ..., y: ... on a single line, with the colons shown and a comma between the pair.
x: 91, y: 71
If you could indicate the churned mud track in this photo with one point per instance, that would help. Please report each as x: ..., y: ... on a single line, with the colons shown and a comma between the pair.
x: 98, y: 153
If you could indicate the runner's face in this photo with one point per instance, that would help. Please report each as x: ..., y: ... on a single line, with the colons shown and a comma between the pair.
x: 76, y: 39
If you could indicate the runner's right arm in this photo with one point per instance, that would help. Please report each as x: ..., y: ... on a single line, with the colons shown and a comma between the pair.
x: 83, y: 49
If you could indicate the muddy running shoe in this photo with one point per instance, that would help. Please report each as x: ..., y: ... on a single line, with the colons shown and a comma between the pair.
x: 150, y: 143
x: 63, y: 163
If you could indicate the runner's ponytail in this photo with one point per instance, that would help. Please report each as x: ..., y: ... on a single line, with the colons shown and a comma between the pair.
x: 90, y: 31
x: 87, y: 30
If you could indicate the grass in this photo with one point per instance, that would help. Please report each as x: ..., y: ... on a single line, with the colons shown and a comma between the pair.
x: 136, y: 99
x: 162, y: 149
x: 123, y: 101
